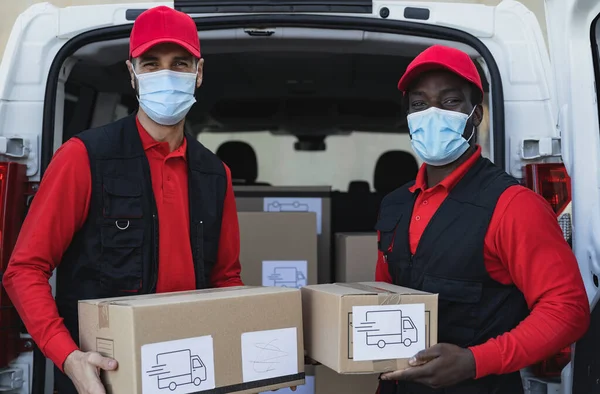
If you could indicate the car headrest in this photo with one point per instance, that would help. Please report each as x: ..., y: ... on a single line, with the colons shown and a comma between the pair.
x: 393, y: 169
x: 241, y: 160
x: 359, y: 187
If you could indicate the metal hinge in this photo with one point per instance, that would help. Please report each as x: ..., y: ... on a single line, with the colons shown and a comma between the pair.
x: 535, y: 148
x: 11, y: 379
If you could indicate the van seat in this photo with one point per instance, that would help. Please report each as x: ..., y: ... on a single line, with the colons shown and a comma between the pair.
x: 351, y: 211
x: 241, y: 160
x: 394, y: 169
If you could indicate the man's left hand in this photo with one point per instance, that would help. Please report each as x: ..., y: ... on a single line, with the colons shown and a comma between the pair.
x: 441, y: 365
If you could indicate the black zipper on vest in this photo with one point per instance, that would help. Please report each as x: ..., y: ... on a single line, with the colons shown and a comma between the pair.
x: 154, y: 253
x: 408, y: 274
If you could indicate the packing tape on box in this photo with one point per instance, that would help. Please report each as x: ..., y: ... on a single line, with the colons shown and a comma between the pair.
x: 364, y: 288
x: 390, y: 299
x: 103, y: 319
x: 385, y: 297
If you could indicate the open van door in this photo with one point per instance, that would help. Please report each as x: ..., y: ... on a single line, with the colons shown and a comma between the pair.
x: 574, y: 37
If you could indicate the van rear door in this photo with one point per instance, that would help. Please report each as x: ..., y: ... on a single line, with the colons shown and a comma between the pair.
x: 574, y: 36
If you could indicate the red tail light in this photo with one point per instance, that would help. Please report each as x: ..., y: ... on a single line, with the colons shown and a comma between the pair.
x: 12, y: 208
x: 552, y: 182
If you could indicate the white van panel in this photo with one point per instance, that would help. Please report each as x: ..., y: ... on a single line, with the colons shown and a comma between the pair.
x: 477, y: 19
x: 77, y: 20
x: 569, y: 23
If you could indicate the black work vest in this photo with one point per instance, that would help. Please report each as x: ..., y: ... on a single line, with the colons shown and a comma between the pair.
x: 115, y: 253
x: 449, y: 261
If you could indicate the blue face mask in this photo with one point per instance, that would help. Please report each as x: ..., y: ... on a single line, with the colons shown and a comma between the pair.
x: 436, y: 135
x: 166, y: 96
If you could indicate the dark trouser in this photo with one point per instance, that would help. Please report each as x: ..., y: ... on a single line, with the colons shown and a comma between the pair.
x: 62, y: 383
x: 494, y: 384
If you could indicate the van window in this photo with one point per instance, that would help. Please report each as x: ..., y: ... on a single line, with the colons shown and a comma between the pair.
x: 347, y: 158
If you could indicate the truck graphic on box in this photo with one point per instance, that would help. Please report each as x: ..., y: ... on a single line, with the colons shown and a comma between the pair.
x: 388, y: 327
x: 295, y: 206
x: 178, y: 368
x: 287, y: 277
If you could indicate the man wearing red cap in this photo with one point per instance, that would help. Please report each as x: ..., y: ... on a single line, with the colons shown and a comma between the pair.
x: 133, y: 207
x: 510, y: 290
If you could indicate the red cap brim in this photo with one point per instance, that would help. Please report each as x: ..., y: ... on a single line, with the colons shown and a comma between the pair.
x: 418, y: 69
x: 137, y: 52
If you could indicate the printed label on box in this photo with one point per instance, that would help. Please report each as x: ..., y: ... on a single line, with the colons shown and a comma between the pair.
x: 105, y: 347
x: 282, y: 273
x: 269, y: 354
x: 287, y: 204
x: 182, y: 366
x: 382, y: 332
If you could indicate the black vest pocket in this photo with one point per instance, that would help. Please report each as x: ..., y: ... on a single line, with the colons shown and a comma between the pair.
x: 387, y: 229
x: 122, y: 241
x: 122, y: 198
x: 459, y: 304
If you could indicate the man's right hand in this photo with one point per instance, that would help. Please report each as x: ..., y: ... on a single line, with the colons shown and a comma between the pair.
x: 84, y: 371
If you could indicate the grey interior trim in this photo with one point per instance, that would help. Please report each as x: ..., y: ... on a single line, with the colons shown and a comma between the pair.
x: 304, y: 40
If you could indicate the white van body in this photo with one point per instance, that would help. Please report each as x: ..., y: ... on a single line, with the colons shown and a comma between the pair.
x: 549, y: 100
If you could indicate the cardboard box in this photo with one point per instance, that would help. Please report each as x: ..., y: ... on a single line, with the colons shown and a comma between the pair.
x: 322, y: 380
x: 238, y: 340
x: 367, y: 327
x: 278, y: 249
x: 356, y: 255
x: 317, y: 199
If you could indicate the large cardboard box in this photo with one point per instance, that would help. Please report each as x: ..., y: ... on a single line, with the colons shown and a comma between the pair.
x: 367, y: 327
x: 278, y: 249
x: 322, y: 380
x: 315, y: 199
x: 237, y: 340
x: 356, y: 257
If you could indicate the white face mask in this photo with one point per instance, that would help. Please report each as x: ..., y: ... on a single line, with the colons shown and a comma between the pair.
x: 166, y: 96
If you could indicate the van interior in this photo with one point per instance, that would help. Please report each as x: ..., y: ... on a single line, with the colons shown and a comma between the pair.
x: 285, y: 106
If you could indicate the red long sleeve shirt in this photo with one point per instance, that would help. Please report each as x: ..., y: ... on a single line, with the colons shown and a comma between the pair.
x: 524, y: 246
x: 60, y: 209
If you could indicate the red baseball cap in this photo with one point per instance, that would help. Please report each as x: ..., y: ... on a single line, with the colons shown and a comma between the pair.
x: 439, y: 57
x: 163, y: 24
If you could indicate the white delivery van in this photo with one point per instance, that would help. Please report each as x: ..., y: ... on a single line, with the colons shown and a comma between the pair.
x: 321, y: 74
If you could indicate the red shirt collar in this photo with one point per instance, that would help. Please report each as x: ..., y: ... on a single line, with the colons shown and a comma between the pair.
x: 451, y: 180
x: 148, y: 143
